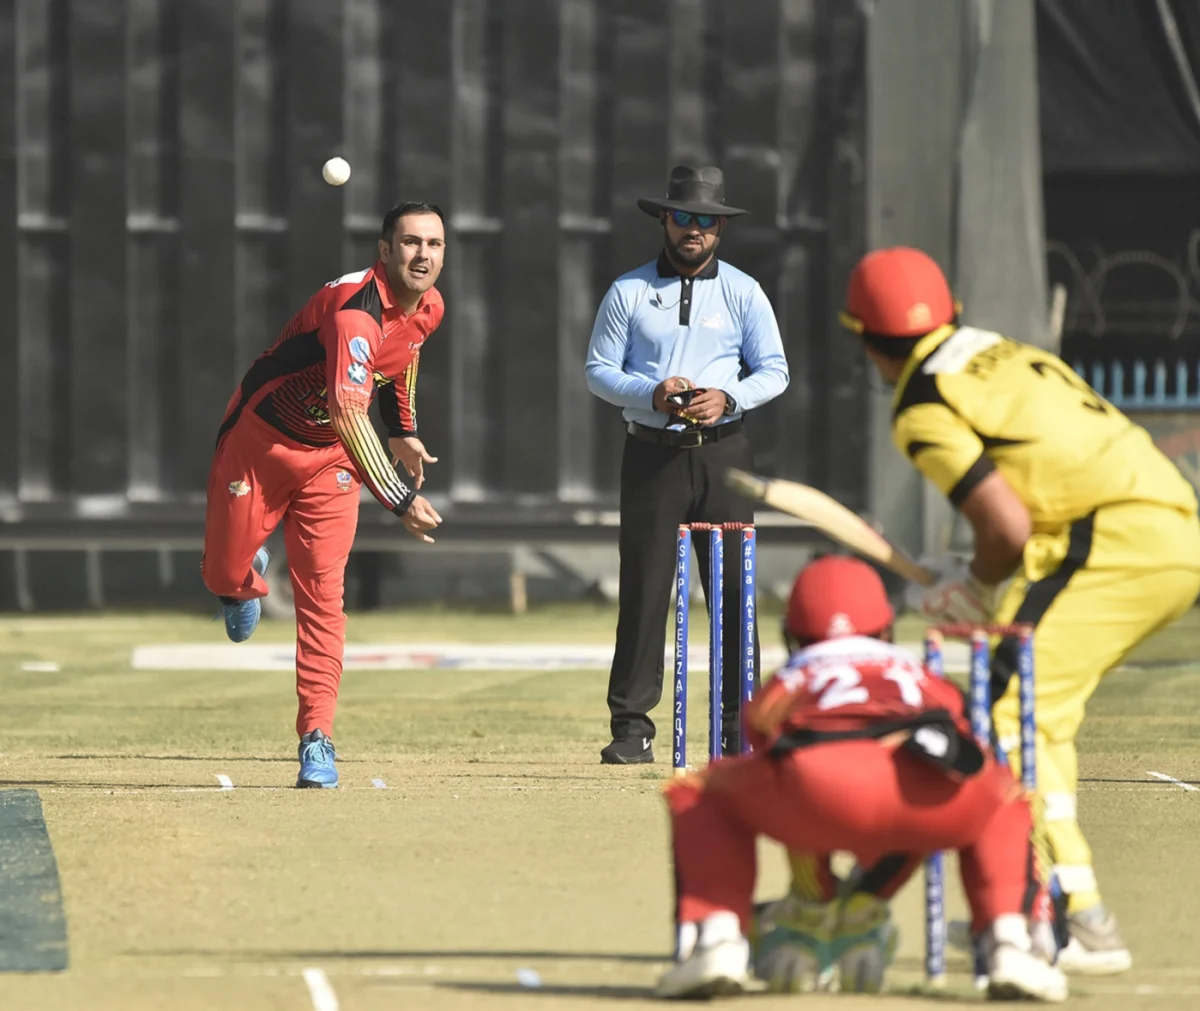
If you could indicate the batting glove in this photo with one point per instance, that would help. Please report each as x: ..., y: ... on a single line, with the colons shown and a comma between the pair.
x: 957, y: 596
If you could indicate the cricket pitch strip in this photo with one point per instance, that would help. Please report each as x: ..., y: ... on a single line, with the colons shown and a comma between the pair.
x: 477, y: 855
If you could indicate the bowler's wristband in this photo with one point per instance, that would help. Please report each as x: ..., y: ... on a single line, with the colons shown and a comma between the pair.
x: 407, y: 501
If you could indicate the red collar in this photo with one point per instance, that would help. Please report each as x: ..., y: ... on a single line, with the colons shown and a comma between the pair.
x: 385, y: 291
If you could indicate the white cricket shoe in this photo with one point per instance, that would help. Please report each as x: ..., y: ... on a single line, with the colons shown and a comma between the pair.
x: 1041, y: 933
x: 1014, y: 971
x: 712, y: 960
x: 1095, y: 947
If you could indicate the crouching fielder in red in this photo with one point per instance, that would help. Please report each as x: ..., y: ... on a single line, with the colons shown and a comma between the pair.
x: 855, y: 749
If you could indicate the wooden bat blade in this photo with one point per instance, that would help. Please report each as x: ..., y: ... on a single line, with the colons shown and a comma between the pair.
x: 830, y: 517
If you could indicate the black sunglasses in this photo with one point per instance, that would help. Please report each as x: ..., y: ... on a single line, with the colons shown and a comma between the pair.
x: 684, y: 218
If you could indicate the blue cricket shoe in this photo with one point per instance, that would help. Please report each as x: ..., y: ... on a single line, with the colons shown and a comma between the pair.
x: 317, y: 770
x: 241, y: 616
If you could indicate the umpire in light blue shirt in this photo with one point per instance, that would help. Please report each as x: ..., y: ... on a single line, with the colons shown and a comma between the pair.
x: 686, y: 344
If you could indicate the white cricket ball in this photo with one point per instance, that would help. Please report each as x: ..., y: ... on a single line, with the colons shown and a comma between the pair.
x: 336, y: 171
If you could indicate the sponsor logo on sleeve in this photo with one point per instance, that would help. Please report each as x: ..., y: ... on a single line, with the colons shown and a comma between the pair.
x: 357, y: 374
x: 239, y: 488
x: 360, y: 350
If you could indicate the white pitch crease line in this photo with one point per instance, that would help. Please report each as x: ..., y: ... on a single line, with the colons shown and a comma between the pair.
x: 379, y: 784
x: 1178, y: 782
x: 319, y: 989
x: 1142, y: 990
x: 225, y: 781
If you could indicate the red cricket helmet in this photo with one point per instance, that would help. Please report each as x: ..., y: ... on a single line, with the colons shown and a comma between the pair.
x: 836, y: 596
x: 898, y: 292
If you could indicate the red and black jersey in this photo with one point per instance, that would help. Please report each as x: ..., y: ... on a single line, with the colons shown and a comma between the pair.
x: 316, y: 382
x: 849, y: 684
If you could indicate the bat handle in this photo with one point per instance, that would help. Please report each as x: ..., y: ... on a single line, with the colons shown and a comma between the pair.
x: 913, y: 572
x: 924, y: 577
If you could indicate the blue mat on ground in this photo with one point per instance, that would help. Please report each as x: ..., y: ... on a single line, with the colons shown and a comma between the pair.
x: 33, y: 926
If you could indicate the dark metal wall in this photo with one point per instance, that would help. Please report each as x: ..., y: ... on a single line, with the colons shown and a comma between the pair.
x: 163, y: 214
x: 955, y: 170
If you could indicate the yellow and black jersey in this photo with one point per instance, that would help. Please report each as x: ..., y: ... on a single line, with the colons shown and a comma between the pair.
x: 972, y: 401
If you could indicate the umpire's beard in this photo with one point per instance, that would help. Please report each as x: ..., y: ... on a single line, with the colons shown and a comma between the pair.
x: 686, y: 258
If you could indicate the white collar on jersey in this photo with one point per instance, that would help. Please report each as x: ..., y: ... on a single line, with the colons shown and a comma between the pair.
x: 849, y: 648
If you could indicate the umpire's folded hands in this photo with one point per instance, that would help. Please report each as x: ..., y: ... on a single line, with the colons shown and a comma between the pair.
x: 705, y: 408
x: 668, y: 388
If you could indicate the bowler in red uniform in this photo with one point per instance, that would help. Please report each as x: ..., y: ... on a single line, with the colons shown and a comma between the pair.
x: 297, y: 443
x: 857, y: 749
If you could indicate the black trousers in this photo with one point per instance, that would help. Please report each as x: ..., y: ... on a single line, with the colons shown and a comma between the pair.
x: 662, y: 487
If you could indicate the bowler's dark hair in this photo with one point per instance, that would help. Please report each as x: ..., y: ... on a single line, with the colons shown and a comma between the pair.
x: 400, y: 210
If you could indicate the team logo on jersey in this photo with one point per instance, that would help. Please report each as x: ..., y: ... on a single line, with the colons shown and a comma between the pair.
x: 360, y: 350
x: 344, y: 481
x: 316, y: 406
x: 239, y: 488
x: 357, y: 374
x: 712, y: 322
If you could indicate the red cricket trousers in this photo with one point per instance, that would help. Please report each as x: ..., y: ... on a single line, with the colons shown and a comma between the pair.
x: 857, y: 796
x: 259, y: 478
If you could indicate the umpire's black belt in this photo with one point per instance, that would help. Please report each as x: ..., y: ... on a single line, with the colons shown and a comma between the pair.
x: 689, y: 438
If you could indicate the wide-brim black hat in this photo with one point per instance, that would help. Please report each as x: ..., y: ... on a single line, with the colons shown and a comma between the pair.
x: 695, y: 190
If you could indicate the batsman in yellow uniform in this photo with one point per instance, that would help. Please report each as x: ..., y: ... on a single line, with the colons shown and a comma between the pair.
x: 1092, y: 528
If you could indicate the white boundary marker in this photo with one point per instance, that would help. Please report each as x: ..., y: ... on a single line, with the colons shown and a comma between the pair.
x: 379, y: 784
x: 1177, y: 782
x: 320, y: 990
x: 225, y: 781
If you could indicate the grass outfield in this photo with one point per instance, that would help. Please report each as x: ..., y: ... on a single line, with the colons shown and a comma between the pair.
x: 497, y: 845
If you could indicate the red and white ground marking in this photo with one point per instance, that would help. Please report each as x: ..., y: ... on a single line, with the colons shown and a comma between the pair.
x: 437, y: 656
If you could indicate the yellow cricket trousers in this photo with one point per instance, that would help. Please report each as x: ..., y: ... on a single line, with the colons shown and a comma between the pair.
x: 1093, y: 592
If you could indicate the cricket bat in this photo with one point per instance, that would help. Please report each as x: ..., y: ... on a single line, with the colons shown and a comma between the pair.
x: 830, y: 517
